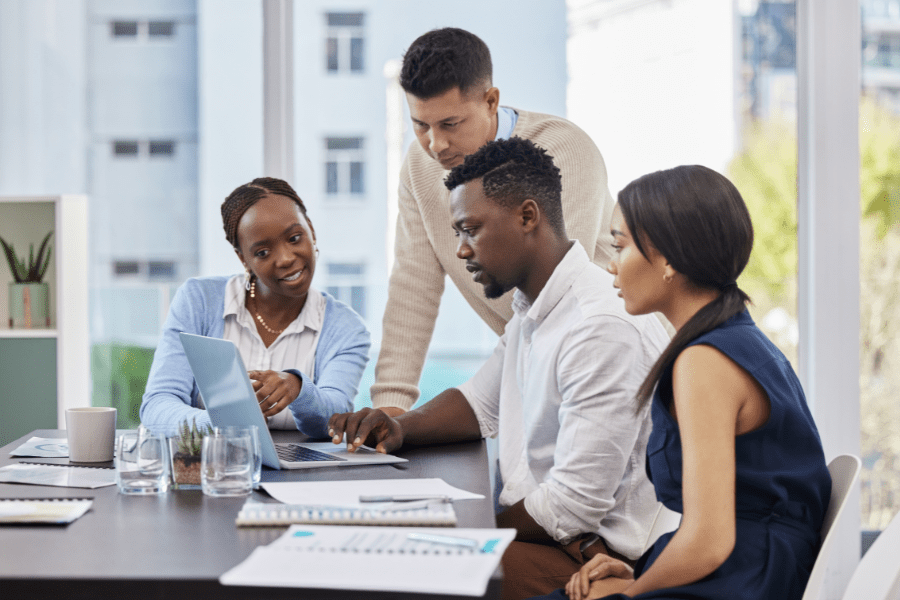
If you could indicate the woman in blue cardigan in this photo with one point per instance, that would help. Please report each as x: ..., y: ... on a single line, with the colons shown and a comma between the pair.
x: 305, y: 351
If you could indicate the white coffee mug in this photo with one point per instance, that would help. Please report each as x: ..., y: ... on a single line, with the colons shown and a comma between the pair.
x: 91, y: 433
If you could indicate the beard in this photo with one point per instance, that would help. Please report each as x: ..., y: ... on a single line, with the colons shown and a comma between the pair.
x: 493, y: 288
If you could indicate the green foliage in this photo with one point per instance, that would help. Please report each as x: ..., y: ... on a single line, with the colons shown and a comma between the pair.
x: 119, y: 373
x: 190, y: 439
x: 765, y: 172
x: 34, y: 270
x: 879, y: 158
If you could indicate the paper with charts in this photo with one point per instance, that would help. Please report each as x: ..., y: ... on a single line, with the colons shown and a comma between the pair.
x: 376, y: 558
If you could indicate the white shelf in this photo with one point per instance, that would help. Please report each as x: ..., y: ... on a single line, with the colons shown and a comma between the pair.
x: 28, y: 333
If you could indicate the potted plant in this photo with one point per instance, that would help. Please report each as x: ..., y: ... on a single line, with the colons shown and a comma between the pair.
x: 185, y: 451
x: 29, y: 300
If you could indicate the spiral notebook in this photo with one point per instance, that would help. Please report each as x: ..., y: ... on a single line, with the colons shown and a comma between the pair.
x: 379, y: 559
x: 258, y: 514
x: 50, y: 511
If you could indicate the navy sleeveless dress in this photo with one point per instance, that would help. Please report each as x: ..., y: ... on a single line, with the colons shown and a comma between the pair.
x: 782, y: 481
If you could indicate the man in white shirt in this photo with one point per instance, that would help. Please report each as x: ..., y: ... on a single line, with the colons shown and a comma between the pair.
x: 559, y: 388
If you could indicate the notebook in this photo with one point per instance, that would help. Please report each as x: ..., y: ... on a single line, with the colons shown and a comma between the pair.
x: 259, y: 514
x: 50, y: 511
x: 230, y: 400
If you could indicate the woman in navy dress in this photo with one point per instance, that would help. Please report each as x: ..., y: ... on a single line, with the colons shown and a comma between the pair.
x: 734, y: 447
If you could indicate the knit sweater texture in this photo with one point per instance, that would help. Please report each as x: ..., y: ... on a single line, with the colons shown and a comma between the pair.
x: 425, y: 248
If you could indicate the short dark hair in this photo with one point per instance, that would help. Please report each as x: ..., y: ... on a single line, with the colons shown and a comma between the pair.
x: 443, y: 59
x: 245, y: 196
x: 697, y: 220
x: 512, y: 170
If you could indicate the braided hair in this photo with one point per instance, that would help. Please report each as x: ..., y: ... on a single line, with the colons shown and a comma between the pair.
x: 245, y: 196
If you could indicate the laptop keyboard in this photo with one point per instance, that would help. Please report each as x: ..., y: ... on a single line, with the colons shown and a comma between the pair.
x: 297, y: 453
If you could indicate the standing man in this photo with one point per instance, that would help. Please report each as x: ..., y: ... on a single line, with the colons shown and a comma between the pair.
x: 558, y: 391
x: 455, y: 110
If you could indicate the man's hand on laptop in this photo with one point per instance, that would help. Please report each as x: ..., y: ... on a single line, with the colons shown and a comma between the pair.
x: 274, y: 390
x: 368, y: 426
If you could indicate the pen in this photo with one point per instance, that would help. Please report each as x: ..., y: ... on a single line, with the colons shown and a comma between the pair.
x: 405, y: 498
x: 445, y: 540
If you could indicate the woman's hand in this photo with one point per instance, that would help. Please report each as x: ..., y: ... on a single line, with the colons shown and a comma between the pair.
x: 597, y: 570
x: 274, y: 390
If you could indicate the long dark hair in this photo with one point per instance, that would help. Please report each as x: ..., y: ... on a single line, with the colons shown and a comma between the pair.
x: 698, y: 221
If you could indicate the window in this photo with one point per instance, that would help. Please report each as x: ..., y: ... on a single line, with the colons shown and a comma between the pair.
x: 344, y: 166
x: 125, y: 148
x: 124, y: 29
x: 154, y: 270
x: 346, y: 282
x: 161, y: 28
x: 135, y: 148
x: 162, y: 148
x: 344, y: 42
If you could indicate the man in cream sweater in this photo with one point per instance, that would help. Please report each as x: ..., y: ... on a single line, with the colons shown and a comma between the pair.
x: 447, y: 76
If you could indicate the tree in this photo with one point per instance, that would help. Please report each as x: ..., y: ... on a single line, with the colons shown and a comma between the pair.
x: 765, y: 172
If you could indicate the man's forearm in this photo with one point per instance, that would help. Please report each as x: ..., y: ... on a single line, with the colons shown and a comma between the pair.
x: 448, y: 417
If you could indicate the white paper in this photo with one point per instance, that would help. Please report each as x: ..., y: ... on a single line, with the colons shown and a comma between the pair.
x: 43, y: 448
x: 51, y: 510
x: 370, y: 558
x: 57, y: 476
x: 346, y: 493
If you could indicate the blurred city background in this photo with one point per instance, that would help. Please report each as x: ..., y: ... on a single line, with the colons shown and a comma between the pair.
x: 154, y: 109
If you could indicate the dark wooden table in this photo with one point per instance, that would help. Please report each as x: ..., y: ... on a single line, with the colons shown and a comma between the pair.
x: 177, y: 545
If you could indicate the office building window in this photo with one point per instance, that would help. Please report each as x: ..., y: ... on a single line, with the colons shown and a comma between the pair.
x: 124, y: 29
x: 347, y: 283
x: 162, y: 148
x: 344, y: 166
x: 344, y: 42
x: 136, y: 148
x: 150, y: 270
x: 125, y: 148
x: 157, y: 29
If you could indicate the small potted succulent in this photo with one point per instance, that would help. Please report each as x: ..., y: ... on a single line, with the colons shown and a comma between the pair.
x: 185, y: 450
x: 29, y: 298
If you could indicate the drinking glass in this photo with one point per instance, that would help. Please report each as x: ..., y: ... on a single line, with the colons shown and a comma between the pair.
x: 141, y: 462
x: 226, y: 464
x: 253, y: 432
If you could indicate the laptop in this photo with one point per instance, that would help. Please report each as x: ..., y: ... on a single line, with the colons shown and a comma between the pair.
x: 230, y: 400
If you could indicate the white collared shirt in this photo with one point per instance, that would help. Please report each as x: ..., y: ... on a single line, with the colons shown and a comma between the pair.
x: 560, y: 391
x: 294, y: 348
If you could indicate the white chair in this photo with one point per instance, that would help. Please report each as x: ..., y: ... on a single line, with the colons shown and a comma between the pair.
x: 844, y: 471
x: 878, y: 575
x: 665, y: 521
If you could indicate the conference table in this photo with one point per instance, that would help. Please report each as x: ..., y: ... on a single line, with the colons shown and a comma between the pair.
x: 176, y: 545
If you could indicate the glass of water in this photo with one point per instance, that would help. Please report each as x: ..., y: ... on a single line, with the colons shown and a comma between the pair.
x: 141, y: 462
x: 253, y: 432
x: 226, y: 463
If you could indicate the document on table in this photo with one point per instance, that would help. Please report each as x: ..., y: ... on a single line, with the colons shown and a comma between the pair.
x: 43, y: 448
x: 376, y: 558
x: 52, y: 511
x: 346, y: 494
x: 57, y: 475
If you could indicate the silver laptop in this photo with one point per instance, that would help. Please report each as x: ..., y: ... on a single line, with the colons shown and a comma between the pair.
x: 229, y: 397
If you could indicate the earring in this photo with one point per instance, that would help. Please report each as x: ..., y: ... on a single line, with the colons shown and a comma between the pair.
x: 247, y: 279
x: 317, y: 250
x: 667, y: 278
x: 253, y: 289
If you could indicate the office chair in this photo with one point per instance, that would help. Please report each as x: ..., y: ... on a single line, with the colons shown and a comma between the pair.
x: 665, y: 521
x: 877, y: 577
x: 844, y: 471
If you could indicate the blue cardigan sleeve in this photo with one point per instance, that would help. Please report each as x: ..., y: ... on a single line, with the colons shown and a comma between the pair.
x: 341, y: 357
x: 171, y: 396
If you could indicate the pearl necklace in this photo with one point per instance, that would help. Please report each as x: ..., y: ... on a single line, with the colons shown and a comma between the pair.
x: 258, y: 316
